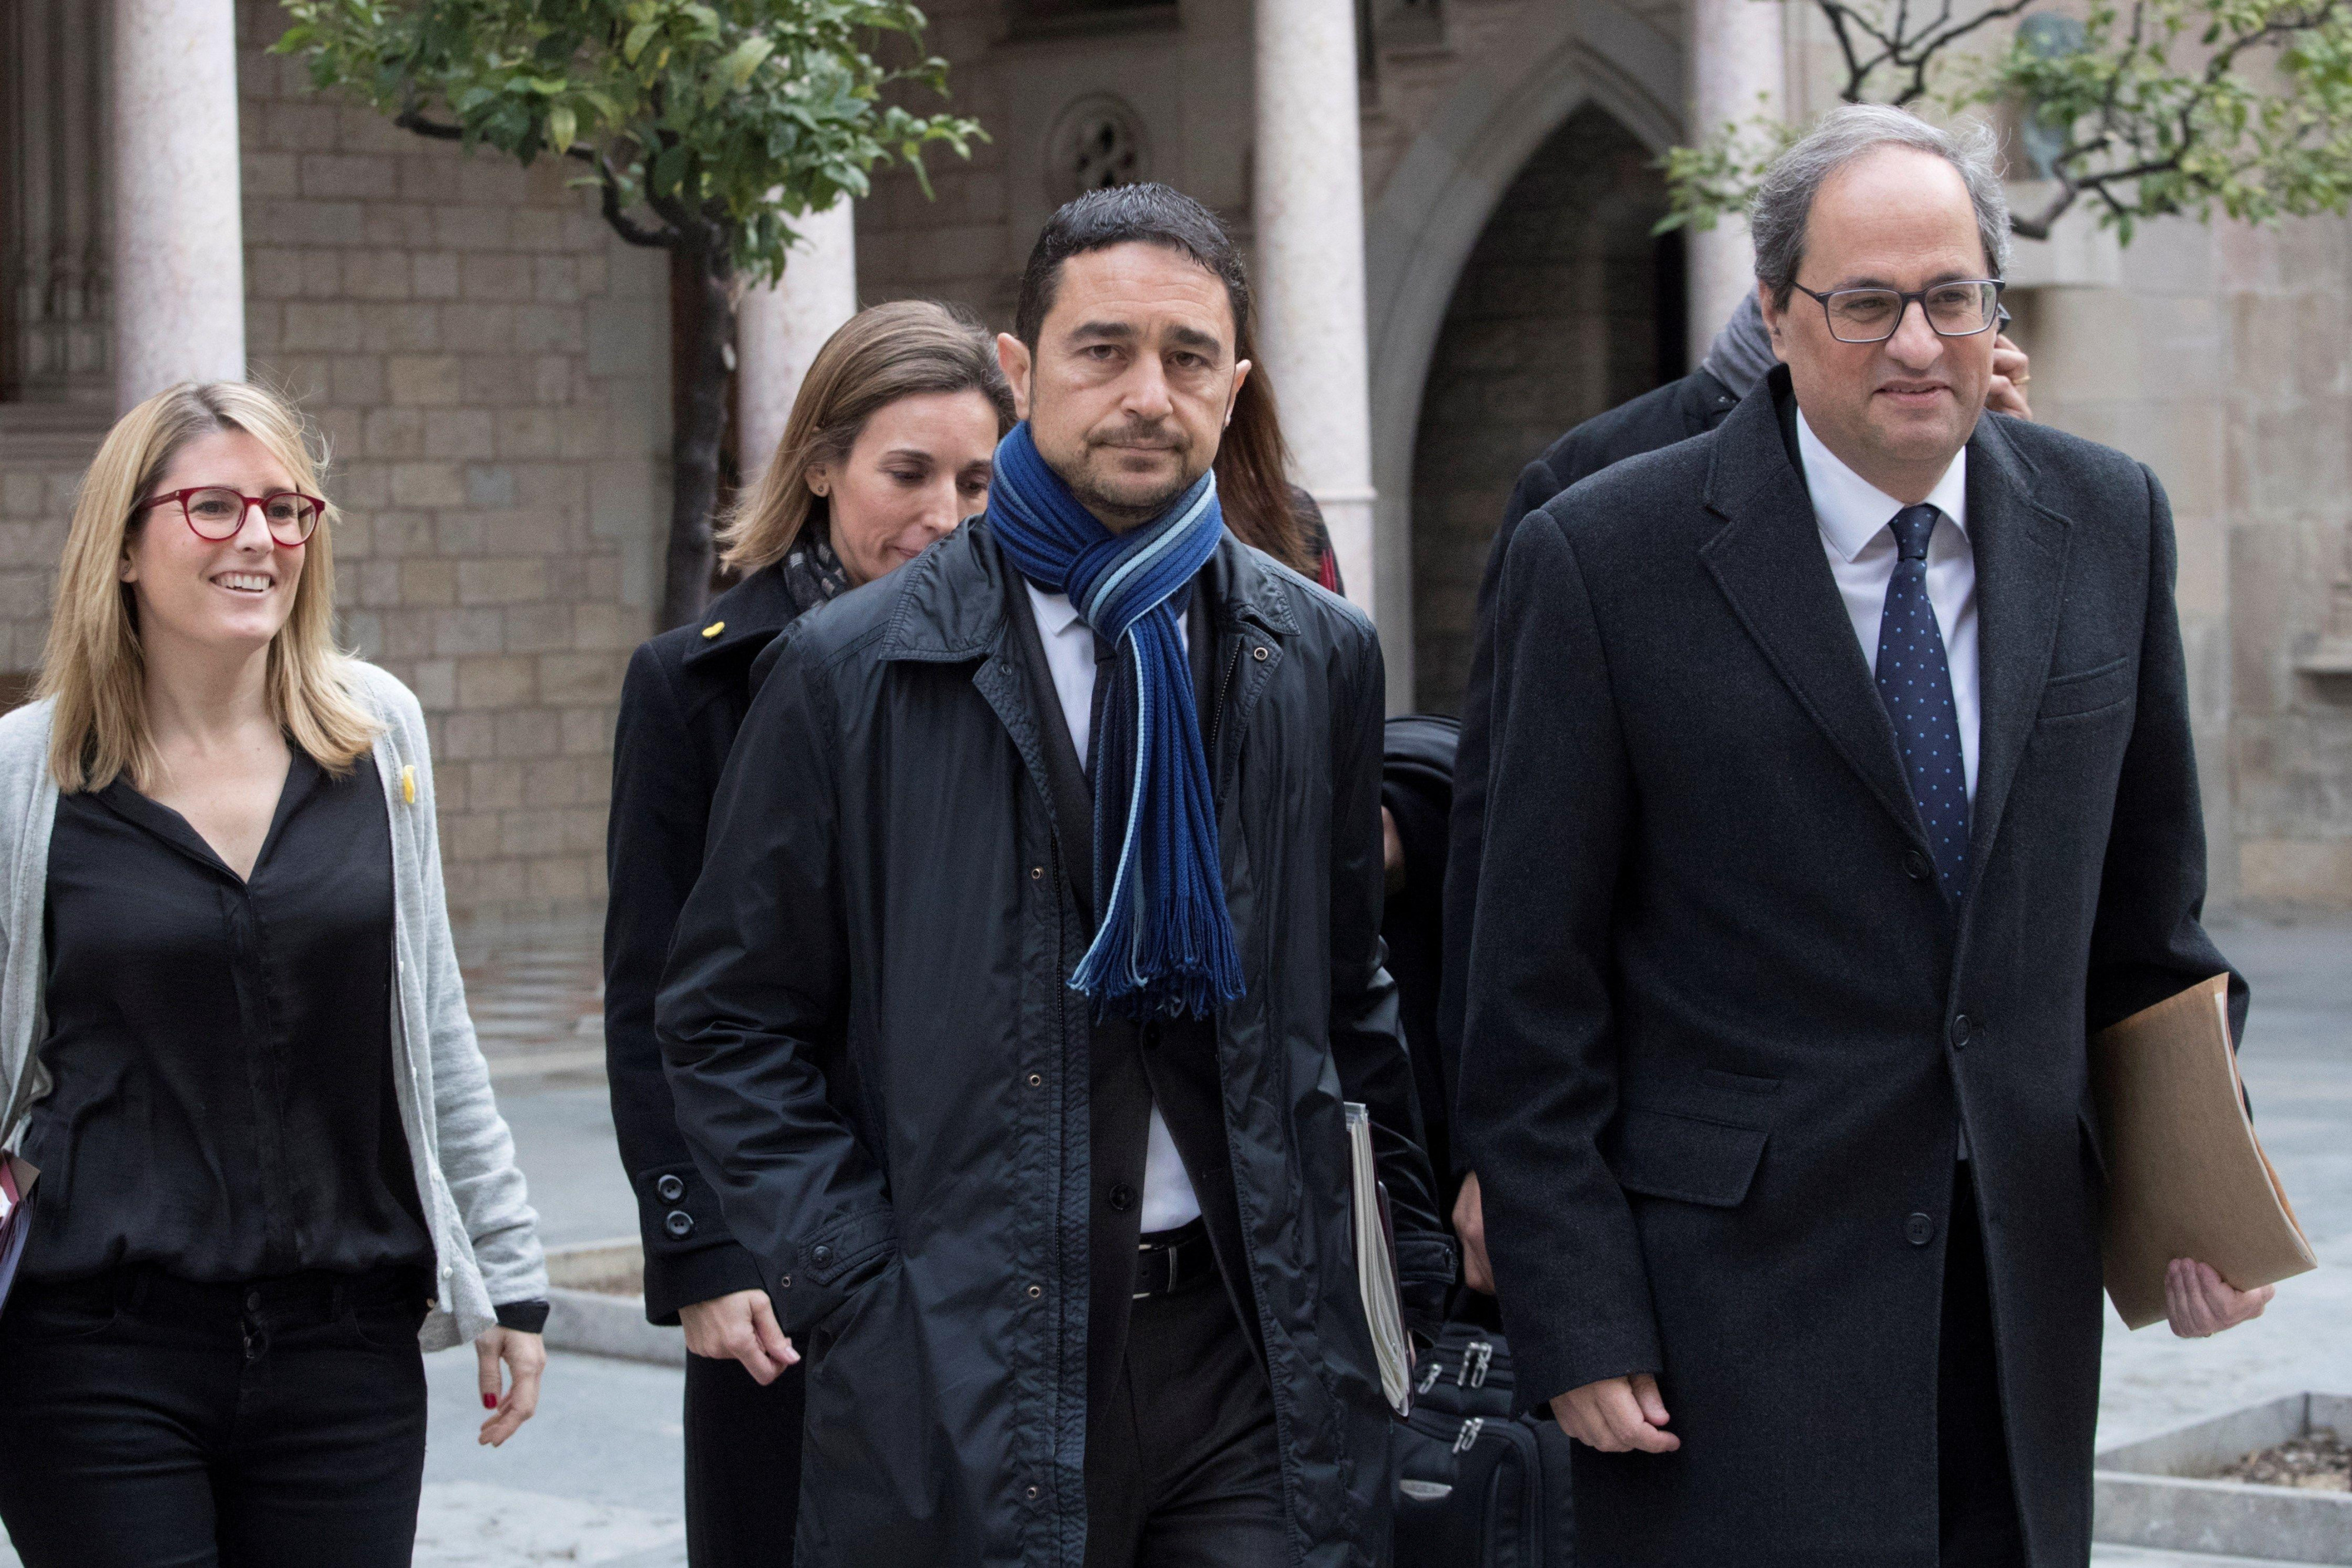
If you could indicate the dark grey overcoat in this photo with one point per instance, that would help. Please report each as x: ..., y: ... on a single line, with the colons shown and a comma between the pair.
x: 1724, y: 1032
x: 883, y: 1074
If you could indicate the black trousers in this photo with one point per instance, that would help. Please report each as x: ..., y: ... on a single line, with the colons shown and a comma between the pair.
x: 1186, y: 1472
x: 742, y: 1464
x: 151, y: 1423
x: 1976, y: 1516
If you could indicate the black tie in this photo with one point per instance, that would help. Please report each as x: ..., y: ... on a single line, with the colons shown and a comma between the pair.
x: 1915, y: 681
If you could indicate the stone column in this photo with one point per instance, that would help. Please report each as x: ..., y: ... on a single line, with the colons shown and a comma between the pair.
x: 779, y: 329
x: 1309, y: 218
x: 179, y: 237
x: 1739, y: 70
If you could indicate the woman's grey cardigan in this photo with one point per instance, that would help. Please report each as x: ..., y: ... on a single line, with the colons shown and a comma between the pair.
x: 484, y: 1235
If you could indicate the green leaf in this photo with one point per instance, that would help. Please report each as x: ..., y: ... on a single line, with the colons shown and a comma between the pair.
x: 562, y: 126
x: 743, y: 59
x: 639, y: 36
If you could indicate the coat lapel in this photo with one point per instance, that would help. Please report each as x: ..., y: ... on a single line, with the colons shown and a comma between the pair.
x: 2020, y: 557
x: 1768, y: 562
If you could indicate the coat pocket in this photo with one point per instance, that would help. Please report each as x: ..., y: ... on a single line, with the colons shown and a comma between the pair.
x: 1694, y: 1159
x: 2088, y: 690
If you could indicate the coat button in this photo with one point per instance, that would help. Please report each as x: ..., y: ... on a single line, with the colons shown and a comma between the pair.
x: 1032, y: 1494
x: 1919, y: 1230
x: 1036, y: 1291
x: 253, y: 1301
x: 1962, y: 1029
x: 820, y: 1254
x: 783, y: 1281
x: 678, y: 1223
x: 447, y: 1272
x: 1122, y: 1197
x: 1036, y: 873
x: 1037, y: 1080
x: 1259, y: 654
x: 670, y: 1189
x: 1914, y: 866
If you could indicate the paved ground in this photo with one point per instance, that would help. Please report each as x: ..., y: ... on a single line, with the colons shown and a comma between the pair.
x: 594, y: 1479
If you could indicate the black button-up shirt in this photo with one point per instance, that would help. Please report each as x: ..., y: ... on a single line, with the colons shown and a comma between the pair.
x: 221, y: 1049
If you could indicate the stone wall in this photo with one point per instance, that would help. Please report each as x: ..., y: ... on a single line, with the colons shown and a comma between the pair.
x: 1183, y: 93
x: 2218, y: 356
x: 491, y: 367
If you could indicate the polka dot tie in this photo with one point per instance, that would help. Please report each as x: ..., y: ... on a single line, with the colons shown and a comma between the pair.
x: 1916, y: 682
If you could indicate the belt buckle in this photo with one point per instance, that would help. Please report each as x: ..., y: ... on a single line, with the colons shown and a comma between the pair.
x: 1165, y: 1273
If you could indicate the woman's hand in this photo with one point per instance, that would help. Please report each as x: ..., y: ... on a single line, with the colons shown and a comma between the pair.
x: 740, y: 1326
x: 525, y: 1356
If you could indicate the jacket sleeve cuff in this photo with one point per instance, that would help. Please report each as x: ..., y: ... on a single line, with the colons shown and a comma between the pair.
x: 690, y: 1255
x: 675, y: 1280
x: 1545, y: 1364
x: 524, y: 1317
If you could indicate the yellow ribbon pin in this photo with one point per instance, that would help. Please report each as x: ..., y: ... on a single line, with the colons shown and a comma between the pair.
x: 408, y: 782
x: 715, y: 628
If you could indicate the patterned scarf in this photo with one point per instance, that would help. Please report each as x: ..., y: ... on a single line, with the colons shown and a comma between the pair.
x: 811, y: 571
x: 1165, y: 944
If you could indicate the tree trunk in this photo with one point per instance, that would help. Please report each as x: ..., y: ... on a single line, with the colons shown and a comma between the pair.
x: 701, y: 426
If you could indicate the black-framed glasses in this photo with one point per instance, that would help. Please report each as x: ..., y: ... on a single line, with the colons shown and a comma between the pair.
x: 1960, y: 308
x: 216, y: 512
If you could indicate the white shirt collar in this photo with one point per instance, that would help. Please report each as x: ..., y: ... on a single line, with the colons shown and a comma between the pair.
x: 1852, y: 511
x: 1056, y: 613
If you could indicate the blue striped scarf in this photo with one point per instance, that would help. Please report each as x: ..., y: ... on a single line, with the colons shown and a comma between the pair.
x: 1165, y: 944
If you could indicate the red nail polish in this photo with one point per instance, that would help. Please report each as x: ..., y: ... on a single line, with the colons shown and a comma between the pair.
x: 489, y: 1401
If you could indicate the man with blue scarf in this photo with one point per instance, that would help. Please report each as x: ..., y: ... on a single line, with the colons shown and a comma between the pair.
x: 1035, y: 959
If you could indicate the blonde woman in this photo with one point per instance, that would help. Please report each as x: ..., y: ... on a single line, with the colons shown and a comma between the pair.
x: 234, y: 1041
x: 889, y: 446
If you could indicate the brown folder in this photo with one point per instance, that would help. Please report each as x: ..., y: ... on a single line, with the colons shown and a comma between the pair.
x: 2186, y: 1175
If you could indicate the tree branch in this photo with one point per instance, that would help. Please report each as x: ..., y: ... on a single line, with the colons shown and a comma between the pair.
x: 414, y: 119
x: 608, y: 189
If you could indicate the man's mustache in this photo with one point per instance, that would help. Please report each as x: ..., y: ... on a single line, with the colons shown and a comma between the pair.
x: 1155, y: 436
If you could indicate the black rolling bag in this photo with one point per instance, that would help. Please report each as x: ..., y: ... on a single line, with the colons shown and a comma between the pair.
x: 1478, y: 1487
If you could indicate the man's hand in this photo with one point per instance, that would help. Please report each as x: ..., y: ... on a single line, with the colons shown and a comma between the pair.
x: 1617, y: 1414
x: 2011, y: 371
x: 2201, y: 1303
x: 1470, y: 1225
x: 740, y: 1327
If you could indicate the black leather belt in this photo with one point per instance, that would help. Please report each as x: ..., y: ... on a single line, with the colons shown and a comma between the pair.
x: 1170, y: 1261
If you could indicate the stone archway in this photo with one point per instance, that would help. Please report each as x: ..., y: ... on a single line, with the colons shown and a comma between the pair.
x: 1511, y: 89
x: 1567, y: 306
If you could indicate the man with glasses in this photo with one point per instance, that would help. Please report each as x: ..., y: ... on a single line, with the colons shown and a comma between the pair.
x: 1842, y: 783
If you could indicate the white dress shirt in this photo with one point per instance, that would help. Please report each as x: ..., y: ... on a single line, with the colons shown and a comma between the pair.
x: 1168, y: 1197
x: 1854, y: 515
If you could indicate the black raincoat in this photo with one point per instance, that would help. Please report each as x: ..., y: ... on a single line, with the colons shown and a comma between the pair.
x: 882, y: 1072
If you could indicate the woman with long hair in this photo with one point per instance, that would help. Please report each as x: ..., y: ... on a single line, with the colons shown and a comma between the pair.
x: 233, y: 1039
x: 888, y: 447
x: 1262, y: 506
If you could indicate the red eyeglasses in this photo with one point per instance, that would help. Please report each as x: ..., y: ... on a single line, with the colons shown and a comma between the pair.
x: 216, y: 512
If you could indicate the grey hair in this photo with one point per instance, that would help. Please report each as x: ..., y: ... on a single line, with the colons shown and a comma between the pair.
x: 1775, y: 217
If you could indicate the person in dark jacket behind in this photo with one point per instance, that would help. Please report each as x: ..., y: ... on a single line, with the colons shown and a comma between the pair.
x: 887, y: 448
x: 1735, y: 365
x: 1416, y: 799
x: 1030, y: 1108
